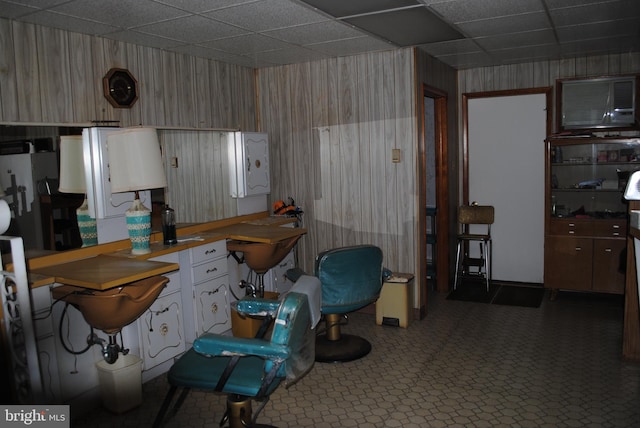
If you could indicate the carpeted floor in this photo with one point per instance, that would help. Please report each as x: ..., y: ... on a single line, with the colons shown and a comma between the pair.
x: 499, y: 294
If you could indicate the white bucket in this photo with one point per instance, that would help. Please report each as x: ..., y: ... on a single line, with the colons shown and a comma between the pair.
x: 121, y: 383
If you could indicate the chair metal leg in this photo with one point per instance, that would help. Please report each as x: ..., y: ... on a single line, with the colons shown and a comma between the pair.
x: 458, y: 250
x: 487, y: 263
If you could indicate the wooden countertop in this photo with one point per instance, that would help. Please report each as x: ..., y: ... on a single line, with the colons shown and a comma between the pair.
x: 105, y: 271
x: 111, y: 265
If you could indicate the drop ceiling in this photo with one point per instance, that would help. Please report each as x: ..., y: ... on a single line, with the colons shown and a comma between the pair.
x: 264, y: 33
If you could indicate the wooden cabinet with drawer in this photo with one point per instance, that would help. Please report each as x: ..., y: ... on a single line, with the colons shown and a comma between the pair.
x: 585, y: 255
x: 206, y: 300
x: 585, y: 212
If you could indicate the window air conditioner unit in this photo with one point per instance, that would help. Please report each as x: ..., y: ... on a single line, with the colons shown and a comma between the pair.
x: 606, y: 102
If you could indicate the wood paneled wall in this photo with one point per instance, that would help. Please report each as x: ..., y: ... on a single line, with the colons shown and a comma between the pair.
x: 332, y: 125
x: 54, y: 76
x: 543, y: 73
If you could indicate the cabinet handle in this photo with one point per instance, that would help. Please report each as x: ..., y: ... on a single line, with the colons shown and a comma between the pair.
x: 572, y: 225
x: 571, y: 232
x: 212, y: 270
x: 616, y: 233
x: 578, y: 248
x: 214, y: 291
x: 211, y: 251
x: 608, y: 250
x: 616, y: 226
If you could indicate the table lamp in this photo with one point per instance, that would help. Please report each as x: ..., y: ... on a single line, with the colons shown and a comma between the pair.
x: 72, y: 180
x: 135, y: 163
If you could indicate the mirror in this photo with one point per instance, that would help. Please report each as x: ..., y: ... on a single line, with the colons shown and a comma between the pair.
x: 195, y: 164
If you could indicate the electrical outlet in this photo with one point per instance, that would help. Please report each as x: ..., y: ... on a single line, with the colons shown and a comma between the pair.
x: 174, y: 162
x: 395, y: 155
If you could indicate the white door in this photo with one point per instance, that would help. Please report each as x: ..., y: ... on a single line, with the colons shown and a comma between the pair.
x: 506, y: 169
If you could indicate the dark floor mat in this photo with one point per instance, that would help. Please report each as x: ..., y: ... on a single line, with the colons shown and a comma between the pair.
x: 509, y: 295
x: 473, y: 290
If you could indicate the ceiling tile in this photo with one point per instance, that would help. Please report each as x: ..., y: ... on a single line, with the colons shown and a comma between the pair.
x: 595, y: 13
x: 598, y: 30
x: 131, y: 36
x: 266, y: 15
x: 528, y: 38
x: 406, y: 27
x: 342, y: 8
x: 56, y: 20
x: 351, y: 46
x: 198, y: 6
x: 315, y: 33
x: 248, y: 44
x: 119, y: 13
x: 12, y: 10
x: 464, y: 10
x: 467, y: 60
x: 528, y: 53
x: 505, y: 24
x: 288, y: 56
x: 452, y: 47
x: 192, y: 29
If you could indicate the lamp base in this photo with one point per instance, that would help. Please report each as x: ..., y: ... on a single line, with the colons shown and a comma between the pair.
x: 139, y: 227
x: 87, y: 225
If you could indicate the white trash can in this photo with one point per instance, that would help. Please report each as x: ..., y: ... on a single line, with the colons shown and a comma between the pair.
x: 121, y: 383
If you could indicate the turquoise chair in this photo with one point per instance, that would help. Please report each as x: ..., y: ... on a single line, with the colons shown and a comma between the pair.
x: 351, y: 278
x: 249, y: 368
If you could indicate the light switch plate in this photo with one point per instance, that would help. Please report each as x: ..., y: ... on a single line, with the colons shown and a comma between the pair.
x: 395, y: 155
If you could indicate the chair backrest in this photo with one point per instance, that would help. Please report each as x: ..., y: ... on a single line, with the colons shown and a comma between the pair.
x: 351, y: 277
x: 469, y: 215
x: 292, y: 327
x: 476, y: 214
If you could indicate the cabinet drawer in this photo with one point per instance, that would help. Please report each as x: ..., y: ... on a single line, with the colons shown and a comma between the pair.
x: 610, y: 228
x: 571, y: 227
x: 208, y: 251
x: 209, y: 270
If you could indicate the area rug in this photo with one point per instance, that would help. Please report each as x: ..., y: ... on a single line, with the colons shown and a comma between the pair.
x: 512, y: 295
x: 473, y: 291
x: 499, y: 294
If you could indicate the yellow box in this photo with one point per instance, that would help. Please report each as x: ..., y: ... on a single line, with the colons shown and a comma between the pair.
x: 394, y: 307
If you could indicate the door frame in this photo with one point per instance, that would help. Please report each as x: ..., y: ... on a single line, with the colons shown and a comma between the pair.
x: 442, y: 194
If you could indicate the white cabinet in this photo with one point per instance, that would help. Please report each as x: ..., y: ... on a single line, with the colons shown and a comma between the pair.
x: 248, y: 164
x: 205, y: 268
x: 276, y: 277
x: 161, y: 327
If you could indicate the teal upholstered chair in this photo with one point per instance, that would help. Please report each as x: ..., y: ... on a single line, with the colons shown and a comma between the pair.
x: 351, y: 278
x: 249, y: 369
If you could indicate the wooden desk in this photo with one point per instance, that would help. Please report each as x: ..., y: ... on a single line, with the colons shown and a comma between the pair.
x: 103, y: 272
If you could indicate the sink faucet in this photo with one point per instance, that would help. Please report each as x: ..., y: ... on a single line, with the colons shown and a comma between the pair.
x: 251, y: 289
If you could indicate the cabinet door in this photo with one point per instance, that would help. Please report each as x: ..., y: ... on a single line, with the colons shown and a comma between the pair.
x: 281, y: 283
x: 609, y: 265
x: 162, y: 330
x: 212, y: 306
x: 568, y: 263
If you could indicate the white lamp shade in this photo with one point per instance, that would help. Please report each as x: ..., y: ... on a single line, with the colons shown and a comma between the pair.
x: 72, y: 179
x: 135, y: 161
